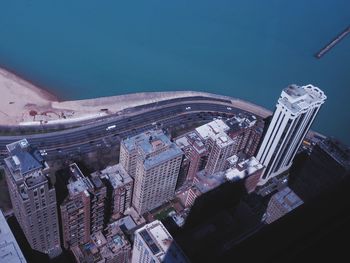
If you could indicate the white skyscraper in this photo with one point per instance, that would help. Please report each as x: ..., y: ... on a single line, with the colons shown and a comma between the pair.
x: 295, y: 111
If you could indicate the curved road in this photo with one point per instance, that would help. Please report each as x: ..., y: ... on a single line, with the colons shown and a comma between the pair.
x: 90, y: 136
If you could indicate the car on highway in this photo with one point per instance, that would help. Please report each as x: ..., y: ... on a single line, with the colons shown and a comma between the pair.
x: 111, y: 127
x: 188, y: 108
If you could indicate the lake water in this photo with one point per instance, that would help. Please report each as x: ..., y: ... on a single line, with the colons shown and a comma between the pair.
x: 249, y: 49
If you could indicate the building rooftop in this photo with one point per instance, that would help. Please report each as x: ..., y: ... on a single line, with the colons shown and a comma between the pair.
x: 96, y: 181
x: 232, y: 160
x: 298, y: 99
x: 78, y: 182
x: 339, y: 152
x: 149, y: 141
x: 182, y: 141
x: 215, y: 130
x: 196, y: 141
x: 103, y: 247
x: 241, y: 121
x: 155, y: 147
x: 138, y: 219
x: 205, y: 183
x: 243, y: 169
x: 35, y: 178
x: 172, y: 152
x: 288, y: 199
x: 23, y: 158
x: 98, y: 238
x: 125, y: 223
x: 161, y: 243
x: 10, y: 252
x: 116, y: 175
x: 193, y: 140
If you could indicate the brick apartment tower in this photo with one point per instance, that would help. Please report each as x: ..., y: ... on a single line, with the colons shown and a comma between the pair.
x: 195, y: 151
x: 82, y: 212
x: 246, y: 131
x: 33, y: 197
x: 119, y: 189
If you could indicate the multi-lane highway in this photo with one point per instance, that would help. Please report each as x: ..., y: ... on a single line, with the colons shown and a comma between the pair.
x: 92, y: 135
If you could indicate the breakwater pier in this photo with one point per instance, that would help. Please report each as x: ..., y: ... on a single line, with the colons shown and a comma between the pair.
x: 333, y: 43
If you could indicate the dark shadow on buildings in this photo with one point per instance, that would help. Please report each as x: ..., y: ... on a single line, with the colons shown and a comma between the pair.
x: 225, y: 224
x: 218, y: 217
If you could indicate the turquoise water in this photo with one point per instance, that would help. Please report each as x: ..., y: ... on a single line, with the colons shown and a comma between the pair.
x: 249, y: 49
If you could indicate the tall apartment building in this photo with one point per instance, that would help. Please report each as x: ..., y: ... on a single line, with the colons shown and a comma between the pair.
x: 33, y: 197
x: 155, y: 164
x: 98, y: 195
x: 220, y: 146
x: 75, y: 210
x: 185, y: 165
x: 246, y: 130
x: 154, y: 244
x: 195, y: 151
x: 128, y: 157
x: 295, y: 111
x: 119, y: 189
x: 82, y: 212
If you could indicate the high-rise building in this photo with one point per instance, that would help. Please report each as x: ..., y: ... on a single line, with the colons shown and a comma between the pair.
x: 128, y: 157
x: 119, y: 189
x: 191, y: 195
x: 250, y: 170
x: 220, y: 146
x: 156, y: 161
x: 83, y: 210
x: 154, y: 244
x: 184, y: 168
x: 295, y: 111
x: 281, y: 203
x: 9, y: 250
x: 75, y: 210
x: 98, y: 195
x: 245, y: 130
x: 195, y: 151
x: 33, y: 197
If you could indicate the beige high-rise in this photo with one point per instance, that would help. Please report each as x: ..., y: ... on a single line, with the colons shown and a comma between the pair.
x: 154, y: 162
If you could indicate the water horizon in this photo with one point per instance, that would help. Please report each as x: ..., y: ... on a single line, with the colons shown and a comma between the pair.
x: 247, y: 49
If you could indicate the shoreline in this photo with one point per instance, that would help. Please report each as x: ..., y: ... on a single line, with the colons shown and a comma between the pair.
x: 23, y: 103
x: 44, y: 92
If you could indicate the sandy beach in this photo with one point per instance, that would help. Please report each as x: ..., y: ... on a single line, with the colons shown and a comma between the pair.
x: 22, y: 103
